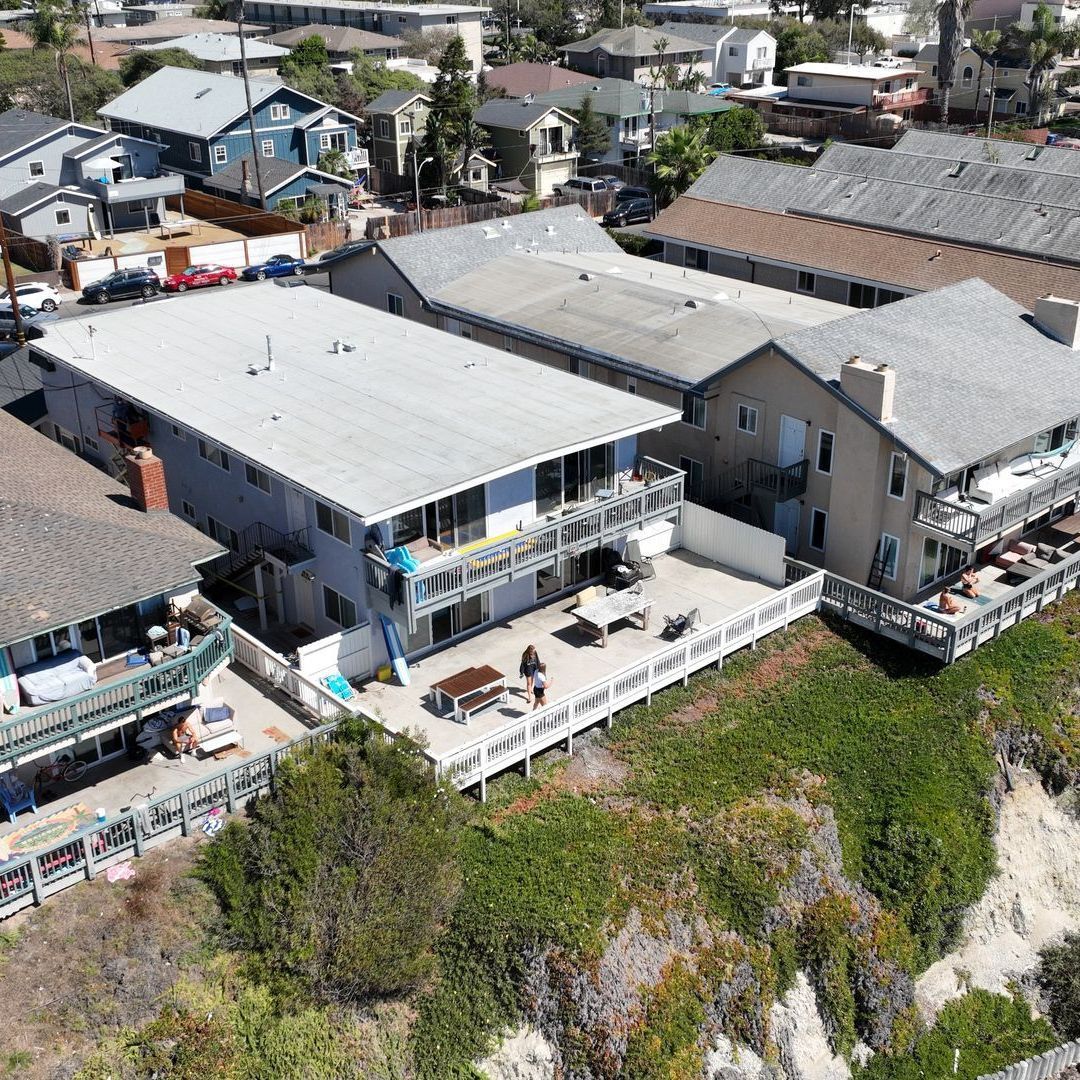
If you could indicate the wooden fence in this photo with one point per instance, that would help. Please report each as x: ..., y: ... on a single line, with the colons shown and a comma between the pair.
x: 326, y: 235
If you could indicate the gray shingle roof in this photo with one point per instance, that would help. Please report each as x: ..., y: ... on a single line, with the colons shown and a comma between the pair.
x: 433, y: 259
x: 186, y: 100
x: 20, y: 387
x: 765, y: 185
x: 39, y: 192
x: 631, y: 41
x: 512, y: 113
x: 389, y: 101
x: 1017, y: 155
x: 216, y: 48
x: 620, y: 97
x: 338, y: 39
x: 20, y: 126
x: 703, y: 33
x: 73, y: 544
x: 275, y: 172
x: 973, y: 373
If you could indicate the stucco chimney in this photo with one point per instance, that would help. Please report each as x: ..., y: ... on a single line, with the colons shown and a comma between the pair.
x: 1059, y: 318
x: 146, y: 478
x: 871, y: 388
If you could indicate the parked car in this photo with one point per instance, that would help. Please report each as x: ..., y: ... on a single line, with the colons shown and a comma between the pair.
x: 275, y: 266
x: 122, y: 284
x: 35, y: 294
x: 633, y: 193
x: 629, y: 212
x: 195, y: 277
x: 588, y: 185
x: 31, y: 317
x: 719, y: 89
x: 612, y: 183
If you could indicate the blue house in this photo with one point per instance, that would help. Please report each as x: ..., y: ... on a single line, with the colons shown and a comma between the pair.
x: 201, y: 120
x: 287, y: 185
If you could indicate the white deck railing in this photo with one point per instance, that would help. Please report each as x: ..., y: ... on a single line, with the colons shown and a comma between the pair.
x: 516, y: 743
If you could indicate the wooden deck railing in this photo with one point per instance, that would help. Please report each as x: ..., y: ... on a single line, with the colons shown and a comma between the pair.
x: 446, y: 580
x: 53, y: 726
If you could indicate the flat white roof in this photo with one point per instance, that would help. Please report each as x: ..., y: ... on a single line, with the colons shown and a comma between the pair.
x: 852, y: 71
x: 413, y: 413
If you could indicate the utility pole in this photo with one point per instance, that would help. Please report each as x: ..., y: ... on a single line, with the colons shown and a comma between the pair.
x: 9, y: 277
x: 250, y: 110
x: 508, y: 31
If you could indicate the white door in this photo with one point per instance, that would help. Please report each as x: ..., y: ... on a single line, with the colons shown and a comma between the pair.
x: 792, y: 441
x: 295, y: 508
x: 786, y: 524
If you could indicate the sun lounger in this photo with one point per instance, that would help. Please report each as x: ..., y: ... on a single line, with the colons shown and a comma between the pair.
x: 337, y: 684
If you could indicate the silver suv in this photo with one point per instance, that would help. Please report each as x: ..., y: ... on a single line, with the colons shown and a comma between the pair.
x: 590, y: 185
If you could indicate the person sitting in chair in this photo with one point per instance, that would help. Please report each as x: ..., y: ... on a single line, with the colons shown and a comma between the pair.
x: 969, y: 582
x: 947, y: 604
x: 183, y: 737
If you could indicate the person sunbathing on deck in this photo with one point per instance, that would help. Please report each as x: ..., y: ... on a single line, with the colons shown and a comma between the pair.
x: 948, y: 605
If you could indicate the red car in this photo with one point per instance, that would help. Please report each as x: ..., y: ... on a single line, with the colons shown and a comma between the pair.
x: 194, y: 277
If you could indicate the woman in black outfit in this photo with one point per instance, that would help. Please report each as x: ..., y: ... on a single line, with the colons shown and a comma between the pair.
x: 530, y: 665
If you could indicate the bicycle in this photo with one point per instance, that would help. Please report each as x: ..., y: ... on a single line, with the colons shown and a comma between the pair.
x: 65, y: 768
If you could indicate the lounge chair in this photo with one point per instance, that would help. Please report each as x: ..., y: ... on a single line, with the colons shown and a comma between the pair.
x: 16, y: 796
x: 338, y: 685
x: 678, y: 625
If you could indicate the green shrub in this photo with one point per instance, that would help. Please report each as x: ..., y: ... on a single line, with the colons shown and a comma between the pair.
x: 1058, y: 975
x: 341, y: 881
x: 666, y: 1046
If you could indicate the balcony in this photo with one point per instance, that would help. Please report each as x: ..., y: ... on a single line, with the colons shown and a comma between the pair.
x: 1007, y: 501
x: 780, y: 482
x: 636, y: 140
x: 453, y: 577
x: 544, y: 152
x: 259, y: 542
x: 902, y: 98
x: 138, y: 187
x: 116, y: 702
x: 762, y: 63
x: 122, y: 425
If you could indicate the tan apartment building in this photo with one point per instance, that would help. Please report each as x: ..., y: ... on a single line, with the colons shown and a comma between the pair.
x: 533, y: 143
x: 395, y: 117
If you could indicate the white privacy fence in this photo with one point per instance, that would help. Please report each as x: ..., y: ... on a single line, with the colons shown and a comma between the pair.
x: 1041, y: 1067
x: 740, y: 547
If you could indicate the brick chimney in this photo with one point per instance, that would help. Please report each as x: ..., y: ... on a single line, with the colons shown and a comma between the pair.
x: 1059, y: 318
x: 871, y: 388
x: 146, y: 478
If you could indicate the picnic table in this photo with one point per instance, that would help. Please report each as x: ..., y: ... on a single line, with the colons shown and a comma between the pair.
x: 596, y: 617
x: 469, y: 690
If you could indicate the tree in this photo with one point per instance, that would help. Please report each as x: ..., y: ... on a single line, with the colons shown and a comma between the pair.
x: 680, y: 157
x: 136, y: 66
x: 1045, y: 43
x: 737, y: 129
x: 341, y: 881
x: 798, y: 44
x: 309, y: 53
x: 921, y: 18
x: 453, y: 101
x: 334, y: 163
x: 593, y: 137
x: 55, y: 26
x: 426, y: 45
x: 986, y: 44
x: 29, y: 80
x: 368, y: 80
x: 317, y: 82
x: 1058, y: 976
x: 951, y: 17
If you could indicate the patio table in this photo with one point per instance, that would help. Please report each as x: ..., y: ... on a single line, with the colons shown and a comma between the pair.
x: 596, y: 617
x: 466, y: 684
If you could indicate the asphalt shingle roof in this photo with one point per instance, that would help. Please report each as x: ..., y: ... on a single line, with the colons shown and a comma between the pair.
x: 20, y: 126
x: 512, y: 113
x: 216, y: 48
x: 337, y: 39
x: 631, y: 41
x: 1017, y: 155
x: 389, y: 101
x: 20, y: 387
x: 973, y: 372
x: 517, y: 80
x: 433, y: 259
x: 72, y: 542
x: 275, y: 172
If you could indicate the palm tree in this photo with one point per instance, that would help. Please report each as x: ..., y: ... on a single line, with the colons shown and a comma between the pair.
x: 680, y: 157
x: 1046, y: 43
x: 986, y: 43
x: 951, y: 17
x: 334, y: 163
x: 56, y: 26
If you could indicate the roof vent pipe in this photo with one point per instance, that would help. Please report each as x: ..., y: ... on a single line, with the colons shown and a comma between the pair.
x: 269, y: 354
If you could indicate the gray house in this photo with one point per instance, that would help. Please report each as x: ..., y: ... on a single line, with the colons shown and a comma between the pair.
x: 220, y: 53
x: 68, y: 180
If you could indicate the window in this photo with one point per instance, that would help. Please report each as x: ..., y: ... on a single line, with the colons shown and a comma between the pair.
x: 188, y: 509
x: 888, y: 296
x: 177, y: 432
x: 332, y: 522
x: 898, y: 476
x: 889, y: 553
x: 819, y: 529
x: 214, y: 454
x: 279, y: 112
x: 63, y: 217
x: 694, y: 410
x: 746, y: 421
x: 37, y: 168
x: 508, y: 343
x: 696, y: 259
x: 451, y: 20
x: 384, y: 128
x: 576, y: 476
x: 194, y: 151
x: 268, y: 148
x: 334, y: 140
x: 221, y: 155
x: 631, y: 385
x: 733, y: 50
x: 805, y: 282
x: 803, y: 80
x: 221, y: 532
x: 395, y: 304
x: 861, y: 296
x: 405, y: 125
x: 762, y: 52
x: 339, y: 609
x: 938, y: 561
x: 695, y: 477
x: 257, y: 478
x: 1021, y: 108
x: 967, y: 78
x: 1047, y: 442
x: 824, y: 452
x: 90, y: 444
x: 933, y: 69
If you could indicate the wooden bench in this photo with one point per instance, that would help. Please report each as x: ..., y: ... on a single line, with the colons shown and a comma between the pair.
x: 481, y: 701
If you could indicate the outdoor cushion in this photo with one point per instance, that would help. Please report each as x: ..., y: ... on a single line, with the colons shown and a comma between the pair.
x: 1044, y: 551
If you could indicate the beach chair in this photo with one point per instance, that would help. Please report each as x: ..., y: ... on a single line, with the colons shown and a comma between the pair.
x: 16, y: 796
x: 337, y: 684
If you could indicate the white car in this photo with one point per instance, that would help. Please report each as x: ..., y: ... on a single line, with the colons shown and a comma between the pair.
x: 35, y: 294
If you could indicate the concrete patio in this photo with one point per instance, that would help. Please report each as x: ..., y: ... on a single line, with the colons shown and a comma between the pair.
x: 118, y: 785
x: 683, y: 581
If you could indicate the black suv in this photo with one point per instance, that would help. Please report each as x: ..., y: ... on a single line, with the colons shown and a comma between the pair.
x: 122, y: 284
x: 629, y: 212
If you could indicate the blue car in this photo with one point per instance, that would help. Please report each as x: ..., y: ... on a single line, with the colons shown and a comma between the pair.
x: 275, y: 266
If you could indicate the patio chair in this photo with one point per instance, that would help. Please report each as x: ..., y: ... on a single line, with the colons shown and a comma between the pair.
x: 678, y: 625
x: 337, y: 684
x: 16, y: 796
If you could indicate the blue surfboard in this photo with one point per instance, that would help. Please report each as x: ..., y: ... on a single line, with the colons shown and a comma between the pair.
x: 394, y: 650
